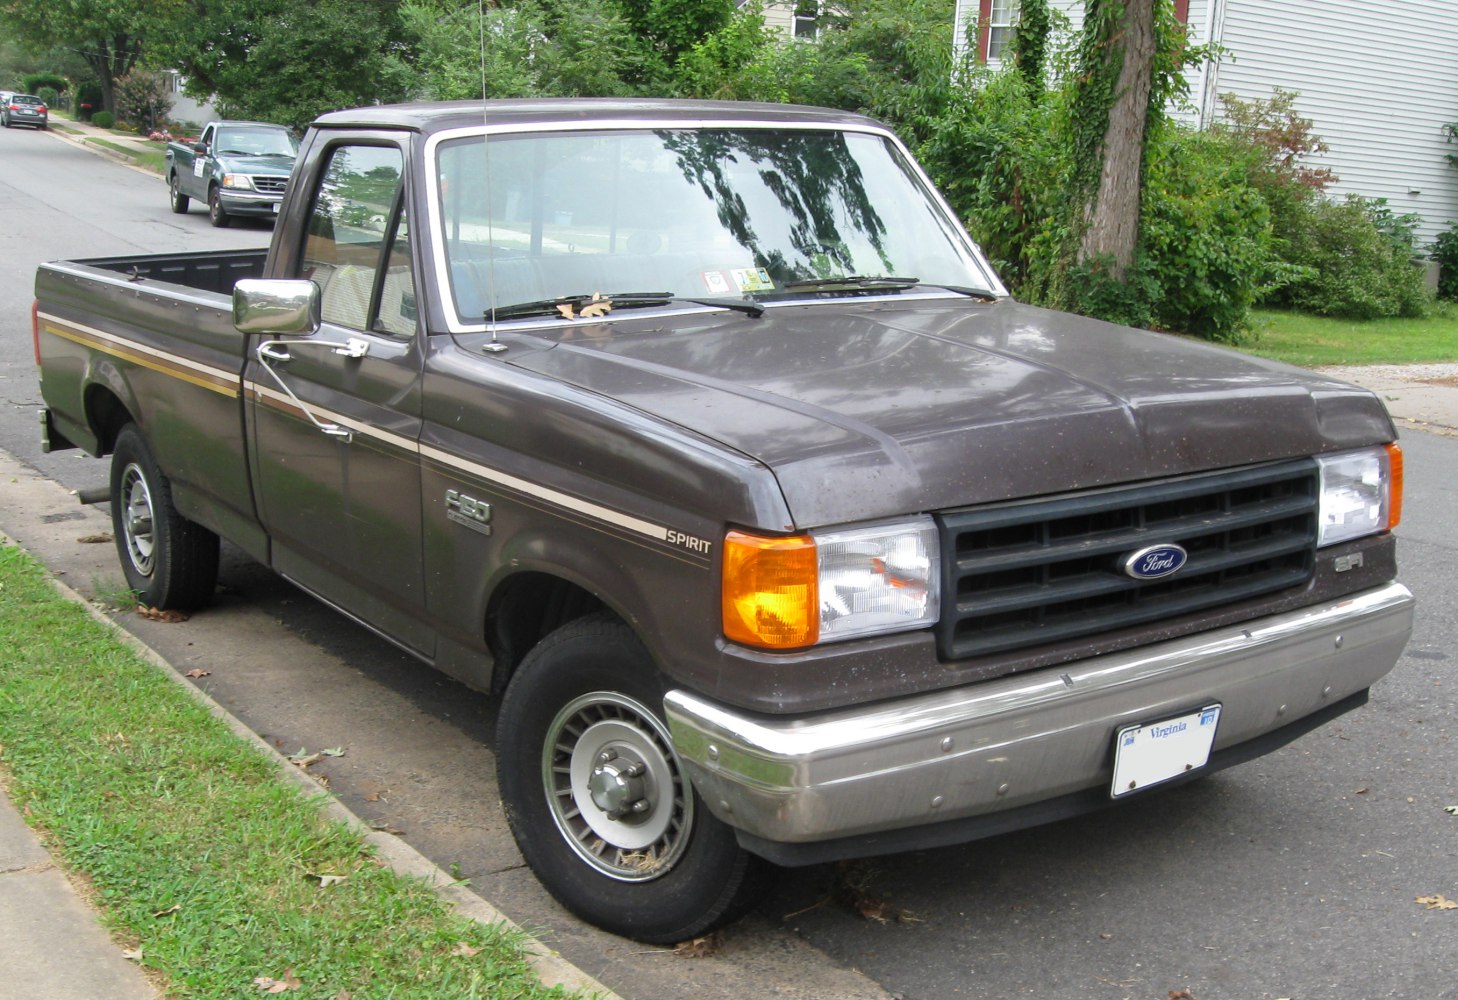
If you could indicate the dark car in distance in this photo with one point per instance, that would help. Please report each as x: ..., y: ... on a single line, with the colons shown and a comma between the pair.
x: 24, y: 109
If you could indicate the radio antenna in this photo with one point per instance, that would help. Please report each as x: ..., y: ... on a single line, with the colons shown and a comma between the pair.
x: 495, y: 347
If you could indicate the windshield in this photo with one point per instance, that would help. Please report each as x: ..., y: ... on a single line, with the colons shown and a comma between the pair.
x: 246, y: 141
x: 760, y: 213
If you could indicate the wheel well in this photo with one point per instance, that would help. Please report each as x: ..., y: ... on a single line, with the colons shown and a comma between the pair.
x: 107, y: 416
x: 524, y: 611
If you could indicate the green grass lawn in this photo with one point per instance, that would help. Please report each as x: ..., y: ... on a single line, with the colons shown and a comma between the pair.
x: 152, y: 158
x: 1313, y: 341
x: 201, y: 856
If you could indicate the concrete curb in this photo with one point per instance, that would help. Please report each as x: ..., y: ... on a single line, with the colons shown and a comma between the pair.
x: 80, y: 136
x: 551, y: 968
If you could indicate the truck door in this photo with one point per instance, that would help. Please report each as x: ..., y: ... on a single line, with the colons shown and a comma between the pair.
x: 194, y: 182
x: 336, y: 417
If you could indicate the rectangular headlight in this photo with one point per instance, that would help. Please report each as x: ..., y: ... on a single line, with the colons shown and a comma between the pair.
x: 793, y: 592
x: 239, y: 181
x: 1361, y: 493
x: 885, y: 578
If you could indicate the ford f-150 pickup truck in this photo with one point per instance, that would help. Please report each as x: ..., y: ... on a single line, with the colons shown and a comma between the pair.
x: 235, y: 168
x: 705, y: 436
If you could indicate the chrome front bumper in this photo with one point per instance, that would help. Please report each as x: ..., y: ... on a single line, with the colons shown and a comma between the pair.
x: 1028, y: 738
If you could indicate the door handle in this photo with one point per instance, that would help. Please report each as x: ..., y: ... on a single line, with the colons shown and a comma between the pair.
x: 272, y: 350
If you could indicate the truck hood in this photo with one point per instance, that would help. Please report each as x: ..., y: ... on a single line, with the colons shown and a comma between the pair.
x: 893, y: 407
x: 257, y: 164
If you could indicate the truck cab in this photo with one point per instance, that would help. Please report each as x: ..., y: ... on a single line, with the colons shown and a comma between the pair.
x: 238, y: 169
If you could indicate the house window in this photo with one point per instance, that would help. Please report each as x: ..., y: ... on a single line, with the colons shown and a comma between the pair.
x: 995, y: 26
x: 1000, y: 27
x: 807, y: 19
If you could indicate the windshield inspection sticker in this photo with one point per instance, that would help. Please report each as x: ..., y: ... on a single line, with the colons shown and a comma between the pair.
x: 752, y: 279
x: 716, y: 282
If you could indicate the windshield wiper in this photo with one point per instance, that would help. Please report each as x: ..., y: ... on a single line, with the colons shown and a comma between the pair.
x: 852, y: 282
x: 564, y: 305
x: 972, y: 292
x: 882, y: 283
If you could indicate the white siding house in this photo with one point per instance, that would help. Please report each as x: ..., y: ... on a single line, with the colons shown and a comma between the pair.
x: 1377, y: 78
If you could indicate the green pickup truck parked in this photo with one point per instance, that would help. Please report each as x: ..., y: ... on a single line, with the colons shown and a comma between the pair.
x: 237, y: 168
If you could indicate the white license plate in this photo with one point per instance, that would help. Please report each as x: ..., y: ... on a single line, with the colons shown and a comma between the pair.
x: 1158, y: 751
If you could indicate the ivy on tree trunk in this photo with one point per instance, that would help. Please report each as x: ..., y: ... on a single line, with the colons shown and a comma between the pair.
x: 1124, y: 48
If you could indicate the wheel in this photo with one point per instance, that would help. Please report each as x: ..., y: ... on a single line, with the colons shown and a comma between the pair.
x: 169, y: 561
x: 597, y: 799
x: 179, y: 200
x: 216, y: 215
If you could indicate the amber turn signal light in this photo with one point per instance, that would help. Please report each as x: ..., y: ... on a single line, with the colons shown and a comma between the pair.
x: 1394, y: 489
x: 770, y: 591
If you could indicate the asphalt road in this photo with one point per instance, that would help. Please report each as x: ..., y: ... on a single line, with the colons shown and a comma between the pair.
x: 1293, y: 876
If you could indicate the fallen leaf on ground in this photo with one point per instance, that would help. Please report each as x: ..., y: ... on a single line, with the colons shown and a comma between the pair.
x: 158, y: 615
x: 1362, y: 791
x: 1436, y: 902
x: 852, y: 887
x: 270, y: 985
x: 304, y: 758
x: 197, y: 672
x: 384, y: 827
x: 132, y: 955
x: 700, y: 947
x: 1181, y: 995
x: 174, y: 908
x: 465, y: 950
x: 1451, y: 810
x: 325, y: 881
x: 100, y: 539
x: 336, y: 752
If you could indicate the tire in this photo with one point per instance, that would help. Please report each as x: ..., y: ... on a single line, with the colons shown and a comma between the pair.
x: 639, y: 854
x: 179, y: 200
x: 216, y: 213
x: 169, y: 561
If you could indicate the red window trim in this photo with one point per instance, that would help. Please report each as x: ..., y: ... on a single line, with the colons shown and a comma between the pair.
x: 984, y: 28
x: 1182, y: 11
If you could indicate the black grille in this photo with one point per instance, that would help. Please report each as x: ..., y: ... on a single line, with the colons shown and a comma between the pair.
x: 1022, y: 574
x: 270, y: 184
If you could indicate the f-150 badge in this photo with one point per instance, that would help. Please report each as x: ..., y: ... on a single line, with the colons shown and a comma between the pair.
x: 474, y: 514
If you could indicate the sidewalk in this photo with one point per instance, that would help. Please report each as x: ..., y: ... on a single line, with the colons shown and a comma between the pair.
x: 52, y: 946
x: 1419, y: 397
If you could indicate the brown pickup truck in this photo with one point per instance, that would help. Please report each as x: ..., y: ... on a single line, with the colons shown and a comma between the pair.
x: 705, y: 436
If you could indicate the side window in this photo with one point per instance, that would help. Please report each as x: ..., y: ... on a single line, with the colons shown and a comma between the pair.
x: 357, y: 244
x: 207, y: 137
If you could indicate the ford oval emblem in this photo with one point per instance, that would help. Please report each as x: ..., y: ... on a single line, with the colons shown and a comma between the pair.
x: 1155, y: 561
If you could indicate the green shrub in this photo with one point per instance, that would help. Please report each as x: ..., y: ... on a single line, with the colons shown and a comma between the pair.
x: 143, y: 98
x: 103, y: 119
x: 88, y: 100
x: 34, y: 83
x: 1357, y: 262
x: 48, y: 95
x: 1206, y: 242
x: 1445, y: 252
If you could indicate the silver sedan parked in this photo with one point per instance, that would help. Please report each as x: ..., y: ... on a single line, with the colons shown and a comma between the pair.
x: 24, y: 109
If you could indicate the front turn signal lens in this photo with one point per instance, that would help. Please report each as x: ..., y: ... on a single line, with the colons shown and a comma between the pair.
x: 1394, y: 499
x: 771, y: 591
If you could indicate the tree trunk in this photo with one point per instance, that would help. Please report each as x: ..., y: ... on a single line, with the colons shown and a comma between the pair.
x: 1112, y: 215
x: 112, y: 59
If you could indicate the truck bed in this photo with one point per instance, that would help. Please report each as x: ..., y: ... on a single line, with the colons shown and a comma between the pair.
x: 209, y: 271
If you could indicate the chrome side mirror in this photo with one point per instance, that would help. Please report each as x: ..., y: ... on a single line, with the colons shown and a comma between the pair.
x: 277, y: 306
